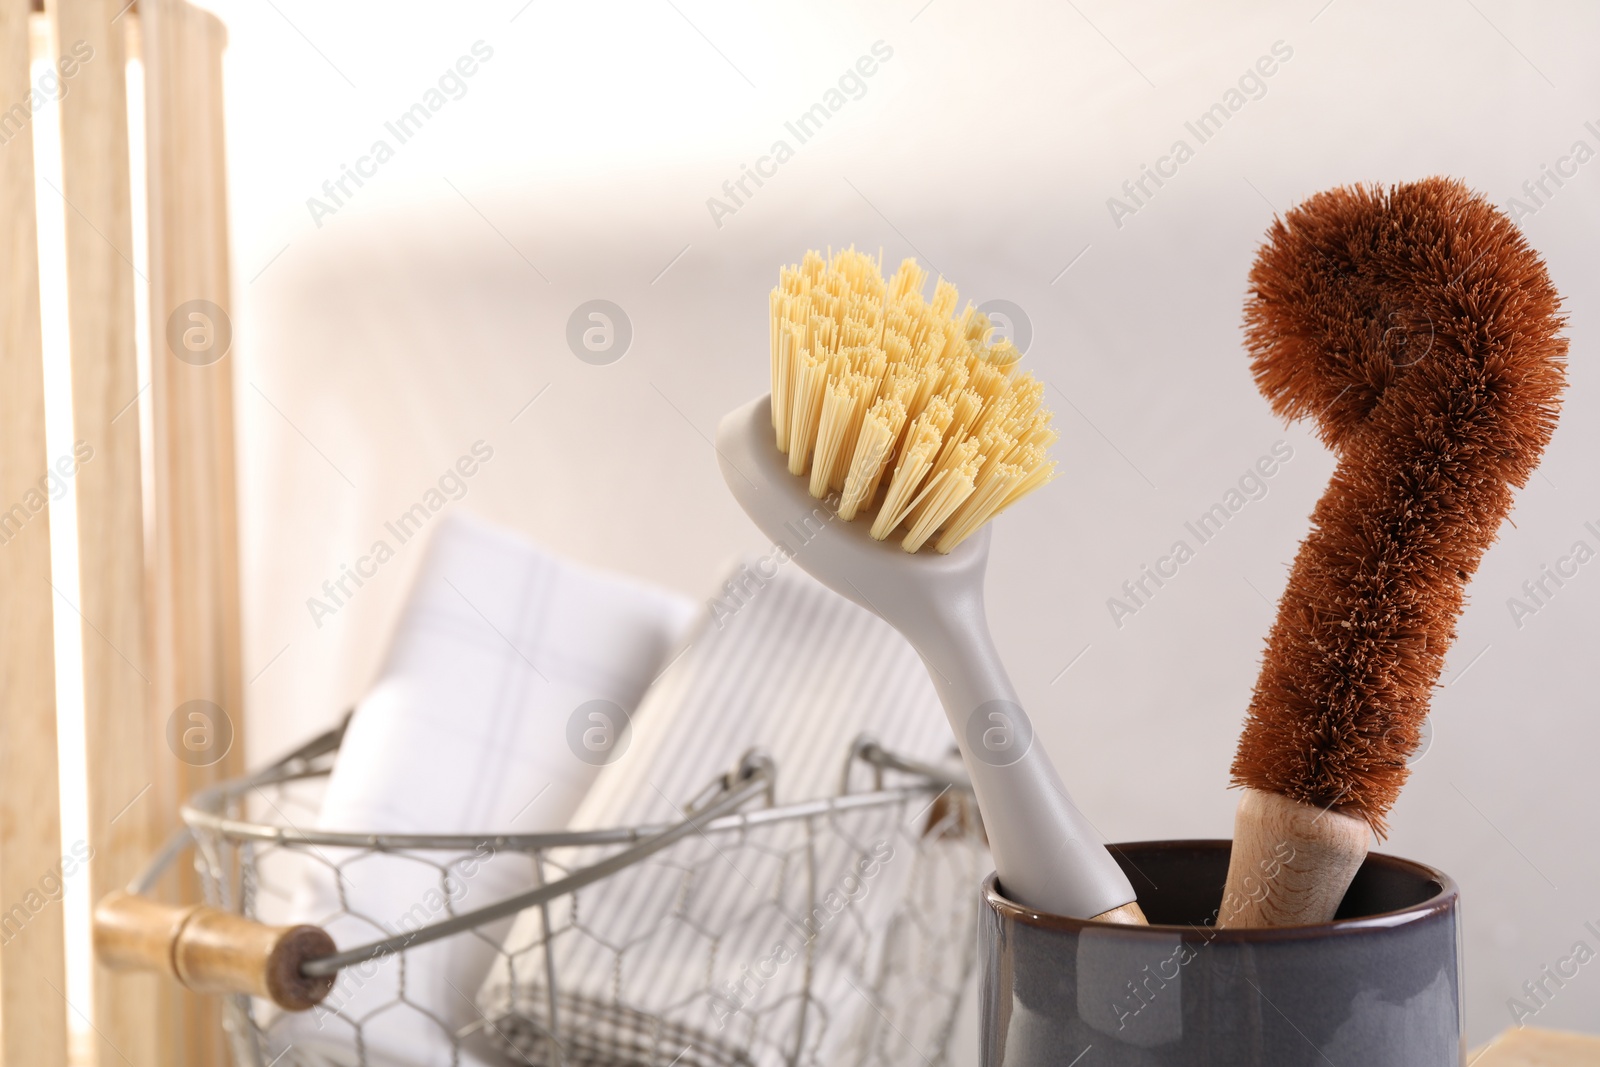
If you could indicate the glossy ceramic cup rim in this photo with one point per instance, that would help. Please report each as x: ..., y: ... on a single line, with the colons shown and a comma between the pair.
x: 1443, y: 901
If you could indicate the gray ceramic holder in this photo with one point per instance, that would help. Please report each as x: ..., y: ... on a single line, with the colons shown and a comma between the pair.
x: 1380, y: 986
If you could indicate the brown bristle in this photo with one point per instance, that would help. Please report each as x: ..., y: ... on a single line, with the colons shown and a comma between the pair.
x: 1419, y: 330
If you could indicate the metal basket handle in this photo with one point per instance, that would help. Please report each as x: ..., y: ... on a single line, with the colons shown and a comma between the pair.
x: 214, y: 951
x: 751, y: 779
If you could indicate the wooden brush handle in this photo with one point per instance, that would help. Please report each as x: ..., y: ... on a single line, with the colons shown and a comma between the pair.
x: 211, y: 951
x: 1130, y: 914
x: 1291, y: 862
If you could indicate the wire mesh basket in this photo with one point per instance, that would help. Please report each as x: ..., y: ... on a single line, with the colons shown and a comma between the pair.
x: 746, y: 933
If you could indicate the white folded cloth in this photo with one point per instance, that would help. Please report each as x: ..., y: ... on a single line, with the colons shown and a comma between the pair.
x: 503, y: 653
x: 780, y: 944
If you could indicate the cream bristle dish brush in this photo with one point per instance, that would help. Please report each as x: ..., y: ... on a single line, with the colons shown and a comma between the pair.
x: 894, y: 432
x: 1420, y: 331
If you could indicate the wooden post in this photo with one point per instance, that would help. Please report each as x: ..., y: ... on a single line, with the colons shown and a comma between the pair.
x: 117, y: 675
x: 195, y: 564
x: 33, y: 983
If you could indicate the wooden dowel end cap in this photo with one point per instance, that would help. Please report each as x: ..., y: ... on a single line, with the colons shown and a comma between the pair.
x: 288, y: 988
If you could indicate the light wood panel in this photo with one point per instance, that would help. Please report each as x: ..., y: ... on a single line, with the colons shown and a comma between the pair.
x: 33, y: 985
x: 116, y: 671
x: 195, y: 566
x: 1538, y: 1048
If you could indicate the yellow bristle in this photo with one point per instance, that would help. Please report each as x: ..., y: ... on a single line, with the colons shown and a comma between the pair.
x: 990, y: 381
x: 1004, y: 354
x: 955, y: 477
x: 968, y: 403
x: 806, y: 411
x: 995, y: 449
x: 864, y: 387
x: 870, y: 458
x: 782, y: 349
x: 979, y: 507
x: 974, y: 324
x: 916, y: 460
x: 907, y: 282
x: 872, y: 382
x: 1037, y: 469
x: 927, y: 373
x: 842, y: 408
x: 900, y: 383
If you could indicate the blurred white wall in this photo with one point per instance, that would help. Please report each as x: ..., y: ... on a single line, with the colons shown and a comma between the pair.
x: 378, y: 343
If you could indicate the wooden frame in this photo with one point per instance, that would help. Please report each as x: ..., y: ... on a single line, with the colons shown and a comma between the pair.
x: 194, y: 558
x: 116, y: 668
x: 159, y: 604
x: 33, y: 1008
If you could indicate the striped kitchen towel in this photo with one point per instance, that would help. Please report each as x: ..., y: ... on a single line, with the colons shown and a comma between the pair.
x: 796, y: 942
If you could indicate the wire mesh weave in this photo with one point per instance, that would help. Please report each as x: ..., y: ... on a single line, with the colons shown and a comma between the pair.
x: 836, y: 932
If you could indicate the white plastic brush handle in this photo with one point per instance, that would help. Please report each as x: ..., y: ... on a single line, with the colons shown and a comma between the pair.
x: 1047, y: 854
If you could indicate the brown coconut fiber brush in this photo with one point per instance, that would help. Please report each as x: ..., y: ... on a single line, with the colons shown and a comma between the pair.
x: 1420, y: 331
